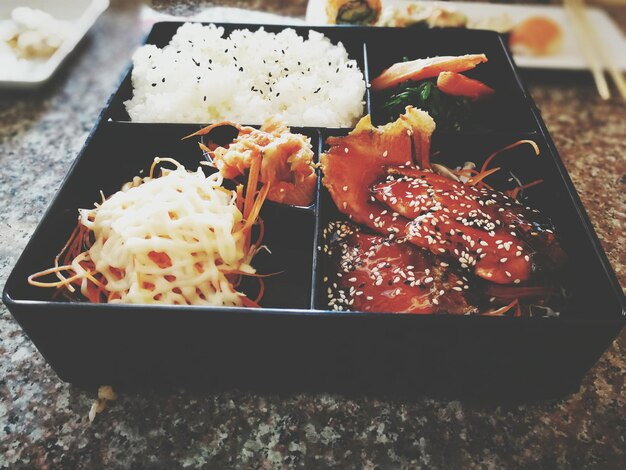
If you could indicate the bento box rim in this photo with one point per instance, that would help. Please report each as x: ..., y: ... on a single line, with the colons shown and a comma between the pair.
x: 573, y: 198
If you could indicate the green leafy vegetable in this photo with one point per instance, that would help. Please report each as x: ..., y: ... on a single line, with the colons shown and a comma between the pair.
x: 449, y: 112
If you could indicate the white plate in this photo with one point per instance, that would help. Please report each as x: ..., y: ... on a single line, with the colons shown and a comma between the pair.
x: 569, y: 57
x: 82, y: 14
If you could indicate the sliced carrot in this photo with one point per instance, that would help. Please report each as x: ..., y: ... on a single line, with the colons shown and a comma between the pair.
x: 425, y: 68
x: 455, y: 84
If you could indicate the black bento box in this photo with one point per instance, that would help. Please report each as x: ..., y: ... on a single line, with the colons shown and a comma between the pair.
x: 294, y: 342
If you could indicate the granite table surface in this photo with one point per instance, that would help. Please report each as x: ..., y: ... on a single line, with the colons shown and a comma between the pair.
x: 44, y: 423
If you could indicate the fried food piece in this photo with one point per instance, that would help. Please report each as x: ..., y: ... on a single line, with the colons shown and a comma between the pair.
x: 286, y: 159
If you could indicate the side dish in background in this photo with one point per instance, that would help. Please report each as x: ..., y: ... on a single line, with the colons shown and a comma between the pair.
x: 537, y: 35
x: 180, y: 238
x: 533, y: 36
x: 407, y: 14
x: 30, y: 36
x: 201, y: 76
x: 362, y: 12
x: 435, y: 85
x: 382, y: 178
x: 285, y: 159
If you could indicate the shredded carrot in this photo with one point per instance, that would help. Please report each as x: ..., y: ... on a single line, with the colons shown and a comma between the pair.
x: 261, y: 233
x: 481, y: 176
x: 257, y: 275
x: 256, y: 208
x: 502, y: 310
x: 515, y: 192
x: 61, y: 283
x: 239, y: 200
x: 509, y: 147
x: 249, y: 303
x: 253, y: 180
x: 261, y: 291
x: 207, y: 129
x: 466, y: 172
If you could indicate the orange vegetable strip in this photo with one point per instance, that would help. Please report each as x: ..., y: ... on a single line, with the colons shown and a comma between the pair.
x: 515, y: 192
x: 253, y: 179
x: 45, y: 272
x: 239, y: 200
x: 455, y: 84
x: 509, y: 147
x: 207, y: 129
x: 258, y: 203
x: 425, y: 68
x: 481, y: 176
x: 502, y: 310
x: 249, y: 303
x: 261, y: 291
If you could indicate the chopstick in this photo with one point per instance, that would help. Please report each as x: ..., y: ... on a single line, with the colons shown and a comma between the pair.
x: 594, y: 49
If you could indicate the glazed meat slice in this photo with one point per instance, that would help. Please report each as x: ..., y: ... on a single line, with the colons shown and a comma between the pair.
x: 375, y: 274
x: 356, y: 161
x: 479, y: 227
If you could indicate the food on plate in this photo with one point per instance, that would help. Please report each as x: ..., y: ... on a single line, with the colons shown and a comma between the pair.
x: 536, y: 35
x: 285, y: 159
x: 179, y: 238
x: 383, y: 178
x: 362, y: 12
x: 501, y: 23
x: 374, y: 274
x: 33, y: 33
x: 29, y: 37
x: 433, y: 15
x: 434, y: 85
x: 247, y: 77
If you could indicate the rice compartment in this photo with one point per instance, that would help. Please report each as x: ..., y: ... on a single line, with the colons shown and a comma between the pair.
x: 247, y: 77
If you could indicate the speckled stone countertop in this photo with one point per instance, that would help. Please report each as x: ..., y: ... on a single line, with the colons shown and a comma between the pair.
x: 43, y: 421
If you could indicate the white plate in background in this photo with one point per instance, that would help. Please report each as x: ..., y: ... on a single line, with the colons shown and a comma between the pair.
x: 82, y: 14
x: 569, y: 57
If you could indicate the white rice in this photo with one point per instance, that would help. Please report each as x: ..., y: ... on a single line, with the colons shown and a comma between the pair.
x: 201, y: 77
